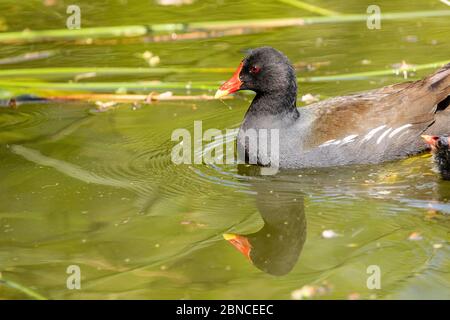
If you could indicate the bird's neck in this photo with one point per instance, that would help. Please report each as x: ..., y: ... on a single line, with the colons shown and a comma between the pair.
x: 279, y: 104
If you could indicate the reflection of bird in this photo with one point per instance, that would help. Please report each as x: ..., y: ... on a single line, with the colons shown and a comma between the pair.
x: 369, y: 127
x: 275, y: 248
x: 440, y: 148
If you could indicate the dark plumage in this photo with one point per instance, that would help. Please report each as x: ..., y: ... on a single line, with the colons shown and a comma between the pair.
x: 440, y: 148
x: 369, y: 127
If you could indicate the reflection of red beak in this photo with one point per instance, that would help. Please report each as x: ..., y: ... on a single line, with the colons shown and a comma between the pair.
x: 239, y: 242
x: 431, y: 140
x: 232, y: 85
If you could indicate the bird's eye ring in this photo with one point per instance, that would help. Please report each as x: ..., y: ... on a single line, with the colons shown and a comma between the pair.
x: 254, y: 69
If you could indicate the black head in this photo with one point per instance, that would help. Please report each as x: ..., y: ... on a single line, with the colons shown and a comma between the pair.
x: 440, y: 147
x: 265, y: 70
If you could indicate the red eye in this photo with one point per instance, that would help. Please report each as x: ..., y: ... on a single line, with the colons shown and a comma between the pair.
x: 255, y: 69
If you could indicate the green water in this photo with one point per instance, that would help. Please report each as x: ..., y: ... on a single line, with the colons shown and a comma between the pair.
x: 98, y: 189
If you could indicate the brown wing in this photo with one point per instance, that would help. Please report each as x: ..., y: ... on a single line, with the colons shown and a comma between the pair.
x: 412, y: 103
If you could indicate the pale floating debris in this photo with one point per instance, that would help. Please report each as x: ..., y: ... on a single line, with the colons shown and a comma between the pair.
x: 329, y: 234
x: 403, y: 68
x: 50, y: 185
x: 366, y: 62
x: 85, y: 75
x: 102, y: 106
x: 309, y: 98
x: 411, y: 38
x: 147, y: 55
x: 153, y: 96
x: 174, y: 2
x: 310, y: 291
x: 437, y: 245
x: 415, y: 236
x: 152, y: 59
x: 354, y: 296
x: 305, y: 292
x: 166, y: 94
x: 384, y: 192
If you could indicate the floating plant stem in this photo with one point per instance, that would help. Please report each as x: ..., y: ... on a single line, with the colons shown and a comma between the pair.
x: 147, y: 98
x: 143, y: 30
x: 309, y: 7
x: 375, y: 73
x: 29, y: 56
x: 108, y: 86
x: 106, y: 71
x: 110, y: 90
x: 27, y: 291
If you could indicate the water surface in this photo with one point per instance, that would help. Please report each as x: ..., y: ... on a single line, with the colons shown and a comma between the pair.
x: 99, y: 190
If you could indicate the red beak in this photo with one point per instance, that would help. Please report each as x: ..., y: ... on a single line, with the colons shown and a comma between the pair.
x: 232, y: 85
x: 431, y: 140
x: 239, y: 242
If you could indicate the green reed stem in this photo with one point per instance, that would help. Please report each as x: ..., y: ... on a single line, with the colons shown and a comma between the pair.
x: 142, y: 30
x: 309, y: 7
x: 28, y: 87
x: 27, y: 291
x: 108, y: 86
x: 106, y: 71
x: 375, y: 73
x: 211, y: 85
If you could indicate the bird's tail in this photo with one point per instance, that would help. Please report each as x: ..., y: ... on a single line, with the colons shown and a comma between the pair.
x: 439, y: 83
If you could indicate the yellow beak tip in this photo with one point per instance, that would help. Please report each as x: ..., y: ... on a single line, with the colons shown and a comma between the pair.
x: 220, y: 93
x: 229, y: 236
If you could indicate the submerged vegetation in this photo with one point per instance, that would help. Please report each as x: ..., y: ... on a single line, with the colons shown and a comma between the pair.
x: 30, y: 80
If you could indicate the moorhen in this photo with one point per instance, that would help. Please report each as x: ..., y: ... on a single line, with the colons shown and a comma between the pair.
x: 369, y: 127
x: 440, y: 148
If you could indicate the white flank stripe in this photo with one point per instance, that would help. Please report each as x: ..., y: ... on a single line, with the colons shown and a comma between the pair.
x: 373, y: 132
x: 327, y: 143
x: 383, y: 135
x: 393, y: 133
x: 349, y: 139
